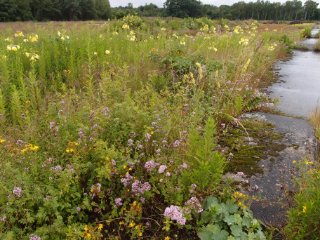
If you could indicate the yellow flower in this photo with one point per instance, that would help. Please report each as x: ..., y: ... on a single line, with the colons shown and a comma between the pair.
x: 34, y: 148
x: 132, y: 224
x: 19, y: 34
x: 31, y: 148
x: 125, y: 26
x: 308, y: 162
x: 107, y: 52
x: 167, y: 238
x: 70, y: 150
x: 244, y: 41
x: 2, y: 140
x: 33, y: 38
x: 13, y: 48
x: 100, y: 226
x: 86, y: 228
x: 304, y: 209
x: 34, y: 57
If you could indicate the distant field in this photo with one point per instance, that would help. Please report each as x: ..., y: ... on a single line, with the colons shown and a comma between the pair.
x: 109, y: 130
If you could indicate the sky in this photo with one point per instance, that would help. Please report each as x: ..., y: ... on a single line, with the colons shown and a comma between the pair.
x: 136, y: 3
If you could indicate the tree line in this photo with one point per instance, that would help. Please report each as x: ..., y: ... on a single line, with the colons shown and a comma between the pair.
x: 41, y: 10
x: 259, y: 10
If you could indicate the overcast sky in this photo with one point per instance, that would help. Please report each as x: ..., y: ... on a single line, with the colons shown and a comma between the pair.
x: 115, y: 3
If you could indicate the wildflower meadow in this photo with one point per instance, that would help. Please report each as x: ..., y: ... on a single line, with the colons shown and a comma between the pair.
x: 111, y: 130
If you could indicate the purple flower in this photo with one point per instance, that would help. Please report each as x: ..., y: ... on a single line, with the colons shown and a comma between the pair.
x: 34, y: 237
x: 126, y: 180
x: 81, y: 133
x: 147, y: 136
x: 162, y: 168
x: 184, y: 165
x: 176, y: 143
x: 194, y: 204
x: 150, y: 165
x: 175, y: 214
x: 168, y: 174
x: 20, y: 142
x: 130, y: 142
x: 118, y: 202
x: 140, y: 188
x: 106, y: 111
x: 17, y: 191
x: 57, y: 168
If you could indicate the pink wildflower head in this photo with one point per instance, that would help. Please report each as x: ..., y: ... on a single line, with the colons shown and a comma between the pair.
x: 17, y: 192
x: 34, y: 237
x: 176, y: 143
x: 118, y: 202
x: 162, y: 168
x: 127, y: 180
x: 140, y: 188
x: 150, y: 165
x: 175, y: 214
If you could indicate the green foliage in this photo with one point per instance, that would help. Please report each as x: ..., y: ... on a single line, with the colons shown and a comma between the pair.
x: 133, y: 21
x: 22, y: 10
x: 226, y: 221
x: 304, y: 221
x: 306, y: 32
x: 206, y: 164
x: 183, y: 8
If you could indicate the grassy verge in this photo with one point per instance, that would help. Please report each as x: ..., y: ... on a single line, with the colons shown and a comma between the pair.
x: 304, y: 217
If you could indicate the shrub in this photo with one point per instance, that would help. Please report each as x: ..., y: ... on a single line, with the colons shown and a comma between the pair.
x: 306, y: 32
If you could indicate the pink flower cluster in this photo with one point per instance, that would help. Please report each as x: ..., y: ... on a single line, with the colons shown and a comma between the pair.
x: 140, y: 188
x: 162, y: 168
x: 150, y: 165
x: 34, y: 237
x: 127, y: 180
x: 17, y: 192
x: 118, y: 202
x: 175, y: 214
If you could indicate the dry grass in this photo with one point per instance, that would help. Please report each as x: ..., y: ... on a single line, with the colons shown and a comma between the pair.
x: 315, y: 120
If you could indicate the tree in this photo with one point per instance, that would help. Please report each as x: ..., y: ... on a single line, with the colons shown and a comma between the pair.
x: 103, y: 9
x: 183, y: 8
x: 88, y: 10
x: 310, y: 10
x: 8, y: 10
